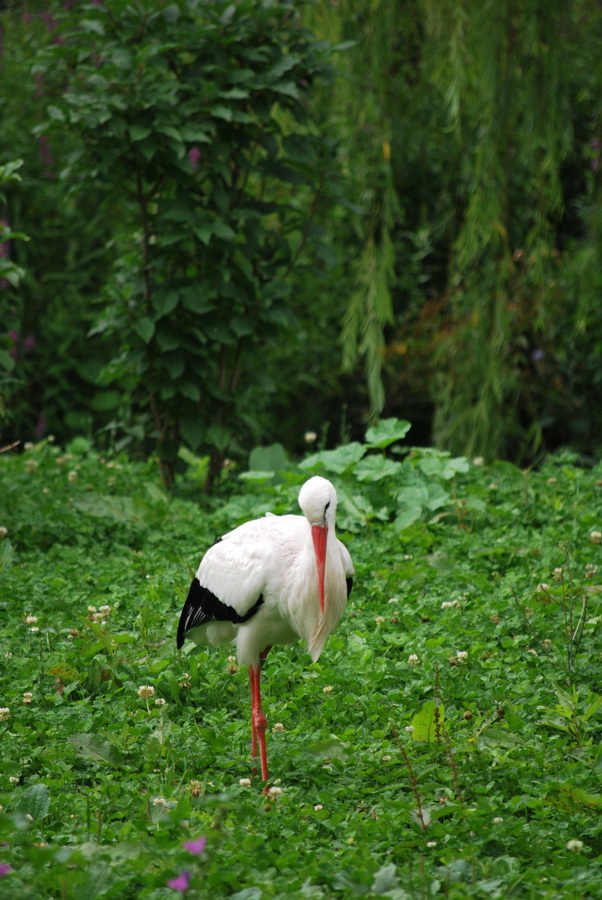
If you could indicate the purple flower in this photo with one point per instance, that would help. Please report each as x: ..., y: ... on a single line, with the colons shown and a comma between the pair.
x: 196, y: 847
x: 193, y: 157
x: 180, y: 883
x: 29, y: 343
x: 5, y: 869
x: 537, y: 355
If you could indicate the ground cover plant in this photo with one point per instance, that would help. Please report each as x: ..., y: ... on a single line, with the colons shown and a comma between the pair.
x: 447, y: 743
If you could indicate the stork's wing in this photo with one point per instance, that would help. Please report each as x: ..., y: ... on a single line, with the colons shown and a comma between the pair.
x: 347, y: 565
x: 228, y: 584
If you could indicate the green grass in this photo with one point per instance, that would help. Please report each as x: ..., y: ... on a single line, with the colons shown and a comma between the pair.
x: 494, y: 794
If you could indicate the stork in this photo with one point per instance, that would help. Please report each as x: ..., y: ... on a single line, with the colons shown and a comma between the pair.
x: 271, y: 581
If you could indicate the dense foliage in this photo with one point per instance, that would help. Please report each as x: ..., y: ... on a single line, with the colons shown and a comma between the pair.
x: 216, y: 228
x: 447, y: 743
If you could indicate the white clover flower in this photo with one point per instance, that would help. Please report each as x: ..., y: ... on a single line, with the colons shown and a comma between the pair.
x: 327, y: 689
x: 105, y: 610
x: 558, y: 573
x: 409, y: 728
x: 574, y: 845
x: 244, y: 782
x: 379, y: 620
x: 4, y: 713
x: 160, y: 701
x: 318, y: 807
x: 91, y: 609
x: 386, y: 758
x: 13, y: 779
x: 431, y: 843
x: 310, y: 437
x: 278, y: 726
x: 30, y: 620
x: 413, y: 659
x: 72, y: 476
x: 27, y: 697
x: 497, y: 820
x: 274, y: 791
x: 3, y: 532
x: 160, y: 801
x: 462, y: 655
x: 232, y: 668
x: 595, y: 537
x: 145, y: 691
x: 542, y: 588
x: 478, y: 461
x: 394, y: 600
x: 448, y: 604
x: 185, y: 682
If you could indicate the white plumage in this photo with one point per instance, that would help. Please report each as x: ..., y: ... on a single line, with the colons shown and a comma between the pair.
x: 272, y: 581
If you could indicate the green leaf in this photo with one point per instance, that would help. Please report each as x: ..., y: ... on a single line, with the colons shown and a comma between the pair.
x: 139, y: 132
x: 102, y: 401
x: 35, y: 801
x: 197, y: 300
x: 273, y: 457
x: 424, y: 722
x: 6, y: 361
x: 56, y: 114
x: 385, y: 880
x: 443, y: 467
x: 375, y: 467
x: 407, y: 517
x: 92, y: 25
x: 337, y: 461
x: 250, y: 893
x: 221, y: 112
x: 386, y: 432
x: 191, y: 390
x: 95, y: 748
x: 204, y: 232
x: 219, y: 436
x: 145, y: 328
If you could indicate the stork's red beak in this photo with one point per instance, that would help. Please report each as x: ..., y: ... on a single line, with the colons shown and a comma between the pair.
x: 319, y: 534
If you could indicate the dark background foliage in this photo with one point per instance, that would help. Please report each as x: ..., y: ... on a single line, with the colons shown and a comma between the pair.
x: 251, y: 221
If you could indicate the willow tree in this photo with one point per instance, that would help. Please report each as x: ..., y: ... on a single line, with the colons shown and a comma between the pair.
x: 361, y: 108
x: 502, y: 70
x: 465, y: 129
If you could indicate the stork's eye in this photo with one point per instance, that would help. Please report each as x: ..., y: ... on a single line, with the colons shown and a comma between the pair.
x: 326, y: 507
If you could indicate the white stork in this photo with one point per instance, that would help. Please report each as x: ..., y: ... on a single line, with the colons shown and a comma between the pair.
x: 271, y: 581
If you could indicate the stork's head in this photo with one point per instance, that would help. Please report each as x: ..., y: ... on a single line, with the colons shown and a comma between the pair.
x: 318, y: 502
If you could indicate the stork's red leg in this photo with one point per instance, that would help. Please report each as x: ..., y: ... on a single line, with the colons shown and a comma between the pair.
x: 258, y: 721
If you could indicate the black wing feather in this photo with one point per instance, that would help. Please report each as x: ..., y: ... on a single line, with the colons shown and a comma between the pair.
x: 349, y: 585
x: 202, y: 606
